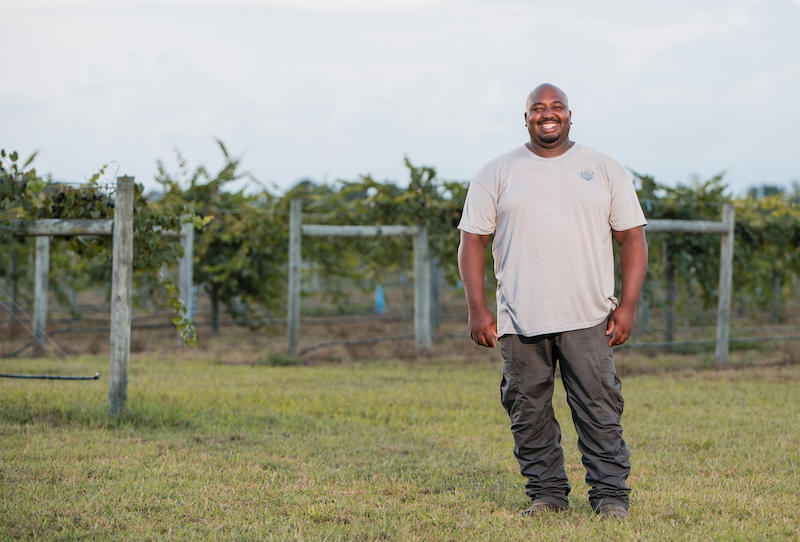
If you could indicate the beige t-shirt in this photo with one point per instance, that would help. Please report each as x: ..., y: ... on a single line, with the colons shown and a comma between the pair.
x: 552, y: 220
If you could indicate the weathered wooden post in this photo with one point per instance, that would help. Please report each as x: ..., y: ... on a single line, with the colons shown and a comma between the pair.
x: 40, y: 293
x: 776, y: 295
x: 404, y: 285
x: 295, y: 260
x: 670, y: 293
x: 15, y: 283
x: 121, y: 285
x: 725, y: 282
x: 187, y: 265
x: 422, y: 291
x: 73, y: 300
x: 437, y: 281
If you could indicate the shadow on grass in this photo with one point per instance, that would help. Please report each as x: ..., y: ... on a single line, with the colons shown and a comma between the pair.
x: 142, y: 416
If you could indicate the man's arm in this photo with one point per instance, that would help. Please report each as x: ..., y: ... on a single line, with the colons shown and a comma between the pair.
x: 633, y: 260
x: 471, y: 263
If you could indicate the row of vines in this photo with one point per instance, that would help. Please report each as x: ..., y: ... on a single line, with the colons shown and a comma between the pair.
x: 241, y: 244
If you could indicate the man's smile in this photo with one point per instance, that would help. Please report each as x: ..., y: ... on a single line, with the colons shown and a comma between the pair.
x: 548, y: 126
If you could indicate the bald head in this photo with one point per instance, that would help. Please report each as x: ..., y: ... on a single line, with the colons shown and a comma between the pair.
x: 548, y: 119
x: 546, y: 89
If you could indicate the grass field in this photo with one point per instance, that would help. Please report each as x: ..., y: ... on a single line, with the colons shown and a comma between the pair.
x: 380, y: 450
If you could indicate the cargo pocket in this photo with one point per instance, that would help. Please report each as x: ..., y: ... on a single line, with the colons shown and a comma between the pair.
x: 509, y: 385
x: 613, y: 388
x: 611, y: 384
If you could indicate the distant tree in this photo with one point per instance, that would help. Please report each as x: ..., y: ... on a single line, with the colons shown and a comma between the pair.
x: 240, y: 255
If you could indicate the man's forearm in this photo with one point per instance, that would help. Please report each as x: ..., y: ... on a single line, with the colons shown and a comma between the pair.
x: 633, y: 263
x: 471, y: 264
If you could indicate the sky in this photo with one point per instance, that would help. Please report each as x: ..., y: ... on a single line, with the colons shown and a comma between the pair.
x: 335, y: 89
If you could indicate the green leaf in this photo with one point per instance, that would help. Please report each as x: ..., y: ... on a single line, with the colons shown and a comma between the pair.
x: 222, y: 146
x: 177, y: 320
x: 29, y: 160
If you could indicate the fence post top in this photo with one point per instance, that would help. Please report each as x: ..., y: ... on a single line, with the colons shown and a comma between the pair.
x: 125, y: 179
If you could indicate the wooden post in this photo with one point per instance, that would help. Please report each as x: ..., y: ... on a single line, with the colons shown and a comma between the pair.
x: 725, y: 282
x: 73, y: 300
x: 437, y: 280
x: 645, y: 304
x: 187, y: 265
x: 15, y: 283
x: 40, y: 294
x: 121, y: 285
x: 404, y: 285
x: 422, y: 291
x: 670, y: 294
x: 776, y: 295
x: 295, y: 260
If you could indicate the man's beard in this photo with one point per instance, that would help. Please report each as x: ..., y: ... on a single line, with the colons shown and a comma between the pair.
x: 549, y: 138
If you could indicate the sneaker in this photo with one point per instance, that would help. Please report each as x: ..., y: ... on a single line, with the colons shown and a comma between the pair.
x: 612, y: 510
x: 540, y: 507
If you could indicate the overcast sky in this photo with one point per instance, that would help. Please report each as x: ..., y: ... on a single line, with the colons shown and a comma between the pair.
x: 333, y: 89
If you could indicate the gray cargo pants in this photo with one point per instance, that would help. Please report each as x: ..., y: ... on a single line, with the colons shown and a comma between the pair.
x: 593, y: 394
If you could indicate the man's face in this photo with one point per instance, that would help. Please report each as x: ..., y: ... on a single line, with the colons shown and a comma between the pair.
x: 548, y: 117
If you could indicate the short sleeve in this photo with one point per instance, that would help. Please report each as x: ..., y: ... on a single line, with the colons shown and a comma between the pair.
x: 626, y: 211
x: 480, y: 210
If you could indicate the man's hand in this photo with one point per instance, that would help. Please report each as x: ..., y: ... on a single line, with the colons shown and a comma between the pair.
x: 620, y: 323
x: 482, y: 327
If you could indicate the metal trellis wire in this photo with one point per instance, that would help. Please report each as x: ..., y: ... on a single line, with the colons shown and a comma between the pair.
x: 63, y: 358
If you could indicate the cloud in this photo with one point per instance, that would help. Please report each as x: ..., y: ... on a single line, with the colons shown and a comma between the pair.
x: 338, y: 93
x: 296, y: 5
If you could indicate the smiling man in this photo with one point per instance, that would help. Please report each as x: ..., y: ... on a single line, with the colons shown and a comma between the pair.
x: 554, y: 207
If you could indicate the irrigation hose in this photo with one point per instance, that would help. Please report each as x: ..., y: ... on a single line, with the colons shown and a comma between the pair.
x: 54, y: 377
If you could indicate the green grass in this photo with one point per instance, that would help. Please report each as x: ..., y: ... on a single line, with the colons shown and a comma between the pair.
x: 379, y: 451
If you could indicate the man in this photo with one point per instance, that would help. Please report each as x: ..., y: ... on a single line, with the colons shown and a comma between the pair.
x: 553, y: 207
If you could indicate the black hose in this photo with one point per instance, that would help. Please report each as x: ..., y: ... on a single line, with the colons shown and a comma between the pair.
x: 54, y: 377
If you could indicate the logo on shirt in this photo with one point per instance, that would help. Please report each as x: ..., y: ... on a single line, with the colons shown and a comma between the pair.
x: 587, y: 174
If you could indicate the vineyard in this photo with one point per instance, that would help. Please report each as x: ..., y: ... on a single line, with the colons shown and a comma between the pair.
x: 358, y: 292
x: 364, y: 432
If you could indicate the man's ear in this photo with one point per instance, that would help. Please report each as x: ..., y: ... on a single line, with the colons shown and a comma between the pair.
x: 525, y: 116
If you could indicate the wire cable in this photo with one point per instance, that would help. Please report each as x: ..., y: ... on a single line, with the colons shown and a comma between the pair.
x: 18, y: 351
x: 53, y: 377
x: 44, y: 335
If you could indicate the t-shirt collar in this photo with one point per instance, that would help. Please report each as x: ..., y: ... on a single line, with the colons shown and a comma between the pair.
x: 532, y: 154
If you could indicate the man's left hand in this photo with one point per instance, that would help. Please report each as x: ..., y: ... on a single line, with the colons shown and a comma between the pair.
x: 620, y: 323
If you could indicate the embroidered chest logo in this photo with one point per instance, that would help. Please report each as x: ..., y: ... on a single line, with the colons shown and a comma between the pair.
x: 587, y: 174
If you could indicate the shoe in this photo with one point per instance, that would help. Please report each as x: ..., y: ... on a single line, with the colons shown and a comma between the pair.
x: 612, y: 510
x: 541, y: 507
